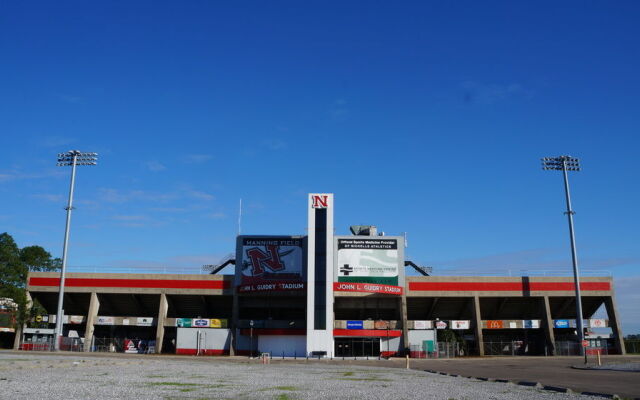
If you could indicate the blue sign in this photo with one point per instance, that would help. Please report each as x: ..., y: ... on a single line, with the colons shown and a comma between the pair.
x: 355, y: 325
x: 561, y: 323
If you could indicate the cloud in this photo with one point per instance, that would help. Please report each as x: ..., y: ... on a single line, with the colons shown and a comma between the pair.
x: 55, y: 141
x: 155, y: 166
x: 16, y: 174
x: 339, y: 109
x: 551, y: 261
x: 55, y: 198
x: 197, y: 158
x: 67, y: 98
x: 111, y: 195
x: 480, y: 93
x: 216, y: 215
x: 196, y: 194
x: 129, y: 217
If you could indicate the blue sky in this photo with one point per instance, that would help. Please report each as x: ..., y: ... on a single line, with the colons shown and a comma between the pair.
x: 425, y: 118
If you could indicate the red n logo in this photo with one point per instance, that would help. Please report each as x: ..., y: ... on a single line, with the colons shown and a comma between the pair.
x: 320, y: 201
x: 260, y: 259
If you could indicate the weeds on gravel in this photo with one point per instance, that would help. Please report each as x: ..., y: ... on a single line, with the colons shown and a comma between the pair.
x: 290, y: 388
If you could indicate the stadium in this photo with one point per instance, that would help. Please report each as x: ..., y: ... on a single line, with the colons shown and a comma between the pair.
x: 323, y: 295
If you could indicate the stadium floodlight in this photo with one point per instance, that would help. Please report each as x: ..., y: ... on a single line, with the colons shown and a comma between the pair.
x: 565, y: 164
x: 71, y: 159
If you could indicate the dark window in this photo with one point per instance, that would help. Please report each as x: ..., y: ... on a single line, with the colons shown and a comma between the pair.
x: 320, y: 305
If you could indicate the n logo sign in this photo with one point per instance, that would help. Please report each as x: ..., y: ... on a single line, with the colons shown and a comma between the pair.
x: 319, y: 201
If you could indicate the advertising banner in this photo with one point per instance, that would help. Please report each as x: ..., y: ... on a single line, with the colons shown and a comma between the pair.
x: 597, y: 323
x: 270, y: 263
x: 76, y: 319
x: 422, y: 324
x: 183, y: 322
x: 355, y: 325
x: 441, y: 325
x: 105, y: 321
x: 200, y: 323
x: 460, y: 324
x: 218, y: 323
x: 495, y: 324
x: 531, y: 323
x: 144, y: 321
x: 368, y: 260
x: 561, y: 323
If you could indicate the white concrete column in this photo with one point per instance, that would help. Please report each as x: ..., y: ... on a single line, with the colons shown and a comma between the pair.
x: 162, y: 316
x: 478, y: 325
x: 92, y: 314
x: 548, y: 322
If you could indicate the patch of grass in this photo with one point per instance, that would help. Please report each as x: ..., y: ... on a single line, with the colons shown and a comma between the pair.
x: 283, y: 396
x: 350, y: 373
x: 367, y: 378
x: 187, y: 390
x: 290, y: 388
x: 172, y: 384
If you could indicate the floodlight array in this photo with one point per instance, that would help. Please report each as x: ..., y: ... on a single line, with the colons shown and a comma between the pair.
x: 561, y: 163
x: 68, y: 158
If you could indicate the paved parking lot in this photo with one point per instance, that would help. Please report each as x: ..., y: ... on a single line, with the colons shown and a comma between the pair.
x: 25, y: 375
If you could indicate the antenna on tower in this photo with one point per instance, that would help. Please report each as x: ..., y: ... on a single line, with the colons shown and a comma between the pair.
x: 240, y: 218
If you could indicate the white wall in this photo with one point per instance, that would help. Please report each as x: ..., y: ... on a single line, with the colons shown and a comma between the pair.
x: 212, y: 339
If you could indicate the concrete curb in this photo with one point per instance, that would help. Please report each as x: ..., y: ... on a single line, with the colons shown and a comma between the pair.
x: 530, y: 384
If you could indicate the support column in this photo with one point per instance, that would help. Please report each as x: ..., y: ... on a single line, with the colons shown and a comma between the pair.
x: 548, y: 326
x: 405, y: 328
x: 162, y: 316
x: 614, y: 324
x: 478, y: 323
x: 92, y: 314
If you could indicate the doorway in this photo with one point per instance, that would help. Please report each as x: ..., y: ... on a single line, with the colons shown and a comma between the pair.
x: 357, y: 347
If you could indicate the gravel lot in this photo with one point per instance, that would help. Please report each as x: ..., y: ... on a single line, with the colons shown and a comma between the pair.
x: 50, y: 376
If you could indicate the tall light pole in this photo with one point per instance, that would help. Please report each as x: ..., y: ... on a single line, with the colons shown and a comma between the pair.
x: 71, y: 158
x: 565, y: 164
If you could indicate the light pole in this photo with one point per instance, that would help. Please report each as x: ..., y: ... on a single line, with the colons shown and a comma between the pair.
x: 71, y: 158
x: 565, y: 164
x: 251, y: 342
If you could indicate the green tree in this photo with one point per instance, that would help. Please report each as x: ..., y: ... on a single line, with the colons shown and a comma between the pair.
x: 15, y: 264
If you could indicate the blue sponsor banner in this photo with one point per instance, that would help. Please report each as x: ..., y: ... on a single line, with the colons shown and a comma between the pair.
x: 561, y: 323
x: 355, y: 325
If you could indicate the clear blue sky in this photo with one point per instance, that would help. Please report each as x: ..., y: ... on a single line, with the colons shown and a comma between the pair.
x: 425, y: 118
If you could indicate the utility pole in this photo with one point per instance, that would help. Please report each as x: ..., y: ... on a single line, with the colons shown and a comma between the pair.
x: 565, y: 164
x: 71, y: 158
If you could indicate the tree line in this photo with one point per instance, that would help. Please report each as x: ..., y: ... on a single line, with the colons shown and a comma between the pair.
x: 15, y: 265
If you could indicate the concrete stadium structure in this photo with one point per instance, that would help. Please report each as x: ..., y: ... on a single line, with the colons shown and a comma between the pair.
x: 323, y: 295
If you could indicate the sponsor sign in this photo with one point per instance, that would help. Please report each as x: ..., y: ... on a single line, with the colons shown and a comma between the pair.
x: 355, y: 325
x: 183, y: 322
x: 45, y: 318
x: 200, y: 323
x: 366, y: 287
x: 561, y: 323
x: 597, y: 323
x: 105, y: 321
x: 460, y: 324
x: 272, y: 287
x: 585, y: 343
x: 513, y: 325
x: 144, y: 321
x: 76, y: 319
x: 441, y: 325
x: 531, y: 323
x: 368, y: 260
x: 381, y: 325
x: 38, y: 318
x: 495, y: 324
x: 422, y: 324
x: 218, y: 323
x: 125, y: 321
x: 270, y: 263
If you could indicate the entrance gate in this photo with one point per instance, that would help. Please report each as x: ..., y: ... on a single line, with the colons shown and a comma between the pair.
x: 357, y: 347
